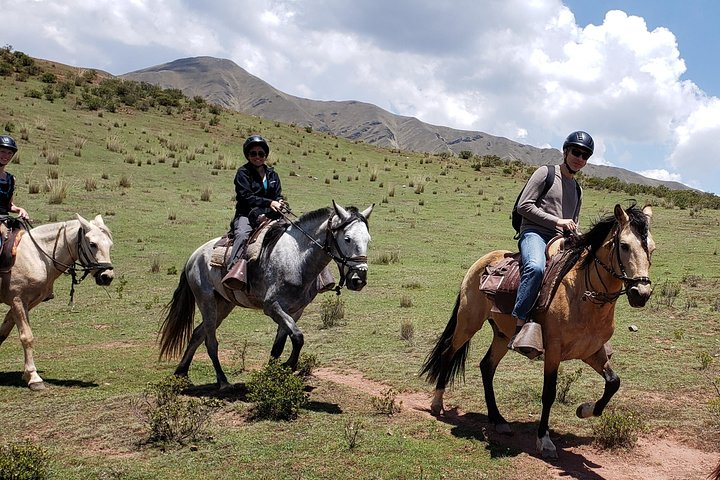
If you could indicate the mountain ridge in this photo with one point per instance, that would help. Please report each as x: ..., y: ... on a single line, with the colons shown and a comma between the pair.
x: 223, y: 82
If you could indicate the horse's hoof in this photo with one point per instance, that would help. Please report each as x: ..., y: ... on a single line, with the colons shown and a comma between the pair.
x: 546, y: 447
x: 36, y: 386
x: 585, y: 410
x: 503, y: 428
x: 436, y: 409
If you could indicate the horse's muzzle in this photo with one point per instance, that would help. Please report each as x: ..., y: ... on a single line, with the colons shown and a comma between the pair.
x: 639, y: 293
x: 104, y: 277
x: 356, y: 279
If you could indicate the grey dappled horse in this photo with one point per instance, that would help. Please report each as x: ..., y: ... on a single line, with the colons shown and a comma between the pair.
x: 282, y: 283
x: 610, y: 260
x: 43, y: 254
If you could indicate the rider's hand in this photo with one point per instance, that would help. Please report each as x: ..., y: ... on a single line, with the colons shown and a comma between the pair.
x: 277, y: 205
x: 567, y: 224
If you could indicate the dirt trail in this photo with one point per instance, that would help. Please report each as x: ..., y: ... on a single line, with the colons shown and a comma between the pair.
x: 653, y: 458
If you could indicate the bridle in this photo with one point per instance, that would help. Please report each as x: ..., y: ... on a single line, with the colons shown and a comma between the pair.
x: 85, y: 263
x: 628, y: 282
x: 331, y: 244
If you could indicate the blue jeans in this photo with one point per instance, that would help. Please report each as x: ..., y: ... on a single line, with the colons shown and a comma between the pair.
x: 532, y: 267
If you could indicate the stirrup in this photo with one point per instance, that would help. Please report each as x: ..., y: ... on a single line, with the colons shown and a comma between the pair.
x: 528, y: 341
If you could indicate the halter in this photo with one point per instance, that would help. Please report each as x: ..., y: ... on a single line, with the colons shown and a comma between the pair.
x: 87, y: 263
x: 605, y: 297
x: 331, y: 241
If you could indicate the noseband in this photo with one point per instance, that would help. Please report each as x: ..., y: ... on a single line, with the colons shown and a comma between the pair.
x: 629, y: 282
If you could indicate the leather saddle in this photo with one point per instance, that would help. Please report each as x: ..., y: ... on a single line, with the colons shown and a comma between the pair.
x: 11, y: 231
x: 501, y: 279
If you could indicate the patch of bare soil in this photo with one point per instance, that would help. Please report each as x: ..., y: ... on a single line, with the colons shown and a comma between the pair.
x: 653, y: 458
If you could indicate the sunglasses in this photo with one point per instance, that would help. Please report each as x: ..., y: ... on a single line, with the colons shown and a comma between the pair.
x: 255, y: 153
x: 580, y: 153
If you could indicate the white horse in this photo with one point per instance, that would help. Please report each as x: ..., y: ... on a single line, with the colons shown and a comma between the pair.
x: 43, y: 254
x: 281, y: 283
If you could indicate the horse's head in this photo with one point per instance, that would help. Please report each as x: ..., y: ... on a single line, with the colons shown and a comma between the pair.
x: 94, y: 243
x: 634, y: 246
x: 350, y: 234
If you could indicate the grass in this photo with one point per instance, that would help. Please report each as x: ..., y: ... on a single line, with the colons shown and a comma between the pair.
x: 98, y: 356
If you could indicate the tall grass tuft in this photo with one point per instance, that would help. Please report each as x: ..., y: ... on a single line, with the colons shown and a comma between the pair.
x: 57, y: 190
x: 332, y: 311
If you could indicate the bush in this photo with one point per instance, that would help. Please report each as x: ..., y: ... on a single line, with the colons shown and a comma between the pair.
x: 332, y: 310
x: 168, y: 417
x: 307, y: 364
x: 276, y: 392
x: 23, y: 461
x: 385, y: 404
x: 618, y: 428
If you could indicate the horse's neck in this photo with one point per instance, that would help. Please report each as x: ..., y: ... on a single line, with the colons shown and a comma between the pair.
x: 58, y: 241
x: 310, y: 236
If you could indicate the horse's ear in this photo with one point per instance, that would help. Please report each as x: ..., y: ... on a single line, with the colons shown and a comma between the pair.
x: 621, y: 215
x: 83, y: 222
x: 366, y: 213
x: 341, y: 212
x: 99, y: 221
x: 647, y: 210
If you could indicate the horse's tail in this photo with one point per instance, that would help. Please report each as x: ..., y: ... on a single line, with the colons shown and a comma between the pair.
x: 437, y: 367
x: 177, y: 328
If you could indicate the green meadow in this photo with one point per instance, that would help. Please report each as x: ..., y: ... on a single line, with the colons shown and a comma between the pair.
x: 163, y: 181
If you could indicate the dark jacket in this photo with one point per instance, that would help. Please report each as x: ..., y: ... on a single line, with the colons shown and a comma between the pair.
x: 249, y: 190
x: 7, y: 187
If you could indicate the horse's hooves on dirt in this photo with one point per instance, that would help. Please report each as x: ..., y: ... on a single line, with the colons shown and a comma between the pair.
x: 36, y: 386
x: 503, y: 428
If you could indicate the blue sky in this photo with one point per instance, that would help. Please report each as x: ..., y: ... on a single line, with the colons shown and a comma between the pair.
x: 639, y: 75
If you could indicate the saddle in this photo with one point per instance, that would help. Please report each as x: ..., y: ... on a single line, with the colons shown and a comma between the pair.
x: 220, y: 255
x: 11, y: 231
x: 500, y: 280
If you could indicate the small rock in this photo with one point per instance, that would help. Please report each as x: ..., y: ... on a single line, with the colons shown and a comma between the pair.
x: 633, y: 328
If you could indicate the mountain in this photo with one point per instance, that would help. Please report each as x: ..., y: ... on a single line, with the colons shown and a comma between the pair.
x: 224, y: 83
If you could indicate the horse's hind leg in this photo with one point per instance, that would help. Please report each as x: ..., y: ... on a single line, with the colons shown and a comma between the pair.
x: 488, y: 366
x: 6, y: 327
x: 18, y: 311
x: 600, y: 363
x: 213, y: 312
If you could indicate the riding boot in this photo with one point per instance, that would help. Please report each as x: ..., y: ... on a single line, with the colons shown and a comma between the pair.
x: 236, y: 278
x: 528, y: 340
x: 325, y: 281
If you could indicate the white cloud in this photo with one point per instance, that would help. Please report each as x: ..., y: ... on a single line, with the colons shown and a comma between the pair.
x: 521, y: 70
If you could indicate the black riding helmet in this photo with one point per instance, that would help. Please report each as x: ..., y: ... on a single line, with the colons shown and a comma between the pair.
x: 6, y: 141
x: 580, y: 139
x: 255, y: 140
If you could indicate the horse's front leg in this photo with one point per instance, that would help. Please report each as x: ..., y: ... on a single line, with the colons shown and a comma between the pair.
x: 544, y: 445
x: 19, y: 312
x: 600, y: 362
x: 279, y: 343
x: 289, y: 327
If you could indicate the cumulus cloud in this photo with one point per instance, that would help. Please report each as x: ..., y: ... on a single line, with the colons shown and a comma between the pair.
x: 523, y: 70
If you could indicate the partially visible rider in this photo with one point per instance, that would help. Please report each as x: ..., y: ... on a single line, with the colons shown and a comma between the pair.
x: 8, y: 148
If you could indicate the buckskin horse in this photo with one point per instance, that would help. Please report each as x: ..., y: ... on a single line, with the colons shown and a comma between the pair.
x: 281, y: 283
x: 613, y: 258
x: 43, y: 254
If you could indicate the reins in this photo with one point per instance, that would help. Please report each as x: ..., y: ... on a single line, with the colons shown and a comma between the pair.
x: 606, y: 297
x: 85, y: 267
x: 339, y: 258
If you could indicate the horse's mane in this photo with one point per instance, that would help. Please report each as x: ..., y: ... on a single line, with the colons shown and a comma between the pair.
x: 593, y: 239
x: 278, y: 228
